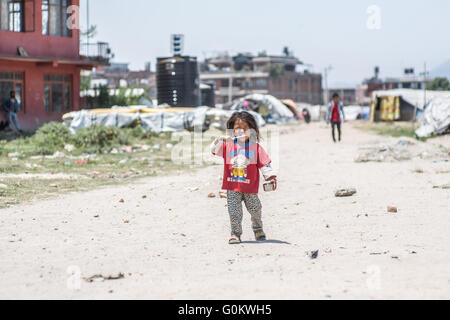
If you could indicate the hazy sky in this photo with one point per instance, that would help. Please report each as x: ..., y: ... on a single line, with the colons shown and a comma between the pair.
x: 320, y: 33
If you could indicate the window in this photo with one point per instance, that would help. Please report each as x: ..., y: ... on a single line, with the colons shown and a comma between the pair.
x: 54, y: 18
x: 11, y: 15
x: 57, y: 92
x: 261, y: 83
x: 10, y: 81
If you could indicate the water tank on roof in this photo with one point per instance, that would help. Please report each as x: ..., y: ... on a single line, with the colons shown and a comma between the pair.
x: 178, y: 81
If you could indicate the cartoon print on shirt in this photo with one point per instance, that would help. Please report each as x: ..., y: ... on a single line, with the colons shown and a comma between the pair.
x: 239, y: 172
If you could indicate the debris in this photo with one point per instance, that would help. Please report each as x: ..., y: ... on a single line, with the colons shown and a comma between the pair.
x: 392, y: 209
x: 53, y: 185
x: 345, y: 192
x: 13, y: 155
x: 328, y: 250
x: 3, y: 186
x: 126, y: 149
x: 126, y: 221
x: 379, y: 253
x: 144, y: 197
x: 445, y: 186
x: 121, y: 201
x: 384, y: 153
x: 313, y: 254
x: 56, y: 155
x: 193, y: 189
x: 69, y: 147
x: 101, y: 278
x: 211, y: 195
x: 169, y: 146
x: 81, y: 162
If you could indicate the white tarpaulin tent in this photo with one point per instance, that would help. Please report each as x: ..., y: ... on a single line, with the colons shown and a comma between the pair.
x: 153, y: 119
x: 356, y: 112
x: 436, y: 118
x: 278, y: 111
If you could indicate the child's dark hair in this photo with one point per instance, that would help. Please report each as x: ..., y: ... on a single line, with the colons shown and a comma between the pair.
x: 247, y: 117
x: 336, y: 95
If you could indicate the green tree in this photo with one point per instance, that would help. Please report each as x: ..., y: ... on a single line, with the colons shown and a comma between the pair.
x: 275, y: 70
x: 103, y: 98
x: 439, y: 84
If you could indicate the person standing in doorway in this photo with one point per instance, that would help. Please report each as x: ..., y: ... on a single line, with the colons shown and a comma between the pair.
x: 336, y: 116
x: 12, y: 107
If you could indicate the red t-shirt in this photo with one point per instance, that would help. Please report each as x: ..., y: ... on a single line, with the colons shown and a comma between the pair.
x: 242, y: 164
x: 335, y: 114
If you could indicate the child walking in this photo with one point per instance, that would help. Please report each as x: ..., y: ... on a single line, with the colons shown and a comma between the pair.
x: 243, y: 157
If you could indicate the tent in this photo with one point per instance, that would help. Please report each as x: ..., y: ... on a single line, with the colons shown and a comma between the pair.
x: 270, y: 108
x: 432, y: 108
x: 401, y: 104
x: 153, y: 119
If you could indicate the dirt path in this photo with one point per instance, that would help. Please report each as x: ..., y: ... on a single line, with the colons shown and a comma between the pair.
x: 173, y: 243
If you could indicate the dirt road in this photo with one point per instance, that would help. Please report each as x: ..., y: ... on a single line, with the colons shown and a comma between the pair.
x: 173, y: 243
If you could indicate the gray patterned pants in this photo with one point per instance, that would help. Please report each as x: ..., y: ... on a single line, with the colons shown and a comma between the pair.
x: 253, y: 206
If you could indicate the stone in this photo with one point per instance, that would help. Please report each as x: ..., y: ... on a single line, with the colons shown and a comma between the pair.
x: 345, y: 192
x: 392, y: 209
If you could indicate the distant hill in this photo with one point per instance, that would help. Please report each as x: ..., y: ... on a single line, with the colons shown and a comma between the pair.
x: 442, y: 71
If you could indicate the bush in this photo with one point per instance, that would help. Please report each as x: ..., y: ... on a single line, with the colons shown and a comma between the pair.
x: 51, y: 138
x: 138, y: 133
x: 99, y: 138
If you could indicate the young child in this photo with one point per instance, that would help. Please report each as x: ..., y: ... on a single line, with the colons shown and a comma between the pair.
x: 243, y: 157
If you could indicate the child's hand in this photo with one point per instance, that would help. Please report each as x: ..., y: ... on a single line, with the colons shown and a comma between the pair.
x: 274, y: 182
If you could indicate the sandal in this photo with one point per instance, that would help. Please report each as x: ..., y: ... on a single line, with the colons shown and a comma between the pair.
x: 259, y: 234
x: 234, y: 240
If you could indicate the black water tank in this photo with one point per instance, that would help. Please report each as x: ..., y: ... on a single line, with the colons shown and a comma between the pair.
x: 208, y: 91
x: 178, y: 81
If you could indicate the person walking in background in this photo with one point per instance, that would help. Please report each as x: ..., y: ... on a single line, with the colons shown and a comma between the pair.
x: 336, y: 116
x: 12, y: 107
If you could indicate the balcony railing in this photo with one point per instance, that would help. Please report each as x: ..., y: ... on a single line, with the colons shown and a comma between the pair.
x: 99, y: 52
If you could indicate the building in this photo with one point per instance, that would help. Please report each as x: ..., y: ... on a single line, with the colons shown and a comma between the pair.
x: 119, y: 75
x: 40, y: 59
x: 236, y: 77
x: 347, y: 95
x: 409, y: 80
